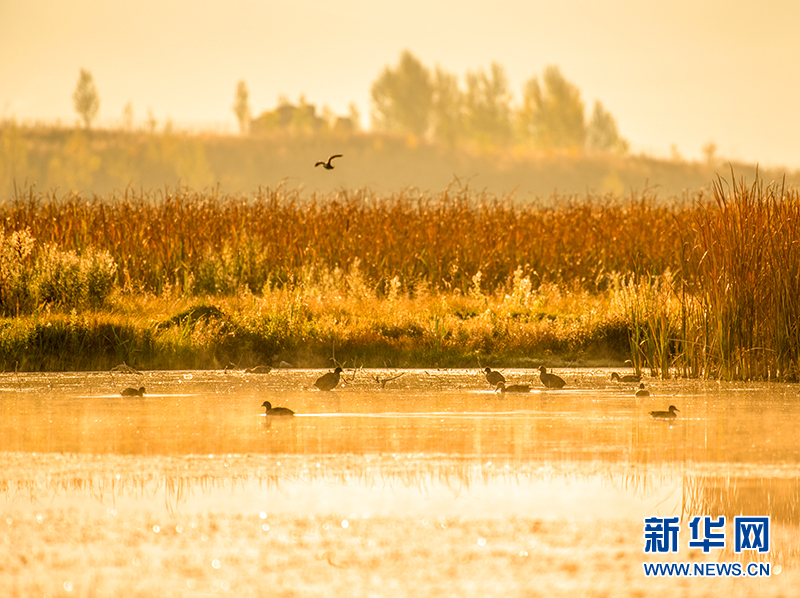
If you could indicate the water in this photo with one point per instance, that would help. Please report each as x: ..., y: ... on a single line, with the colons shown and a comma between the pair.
x: 430, y: 445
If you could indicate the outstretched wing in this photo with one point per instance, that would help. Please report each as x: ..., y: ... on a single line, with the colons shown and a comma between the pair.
x: 319, y: 164
x: 334, y: 156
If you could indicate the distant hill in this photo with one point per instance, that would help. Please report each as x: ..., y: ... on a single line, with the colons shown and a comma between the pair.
x: 107, y: 160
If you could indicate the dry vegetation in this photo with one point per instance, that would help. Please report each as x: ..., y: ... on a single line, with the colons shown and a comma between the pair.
x: 707, y: 284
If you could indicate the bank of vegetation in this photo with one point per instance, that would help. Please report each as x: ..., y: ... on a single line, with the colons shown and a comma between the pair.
x: 704, y: 286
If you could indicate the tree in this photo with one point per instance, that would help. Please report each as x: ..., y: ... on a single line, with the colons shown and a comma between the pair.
x: 304, y: 117
x: 603, y: 134
x: 402, y: 97
x: 487, y: 106
x: 710, y: 153
x: 447, y: 108
x: 127, y: 117
x: 552, y: 114
x: 354, y: 115
x: 241, y: 107
x: 85, y: 98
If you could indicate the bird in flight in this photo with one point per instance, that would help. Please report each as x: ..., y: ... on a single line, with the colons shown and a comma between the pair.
x: 327, y: 165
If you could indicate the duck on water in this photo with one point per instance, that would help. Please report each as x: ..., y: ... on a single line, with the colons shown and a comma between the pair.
x: 276, y: 411
x: 494, y: 377
x: 626, y: 377
x: 502, y: 388
x: 550, y: 380
x: 329, y: 381
x: 665, y: 414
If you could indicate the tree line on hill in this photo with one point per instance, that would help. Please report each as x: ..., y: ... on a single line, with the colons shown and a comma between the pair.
x: 431, y: 104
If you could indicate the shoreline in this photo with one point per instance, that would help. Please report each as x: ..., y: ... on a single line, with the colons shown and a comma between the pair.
x: 311, y: 331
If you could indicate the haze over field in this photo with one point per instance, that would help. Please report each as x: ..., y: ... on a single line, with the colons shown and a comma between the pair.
x: 675, y: 76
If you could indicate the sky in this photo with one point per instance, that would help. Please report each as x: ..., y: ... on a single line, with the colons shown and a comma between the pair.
x: 676, y: 75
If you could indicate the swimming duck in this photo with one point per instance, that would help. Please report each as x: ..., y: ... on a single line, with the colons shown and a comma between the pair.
x: 625, y: 378
x: 277, y: 411
x: 501, y: 386
x: 665, y: 414
x: 494, y: 377
x: 642, y: 391
x: 133, y: 392
x: 329, y: 380
x: 277, y: 362
x: 327, y: 165
x: 550, y: 380
x: 259, y: 369
x: 125, y: 369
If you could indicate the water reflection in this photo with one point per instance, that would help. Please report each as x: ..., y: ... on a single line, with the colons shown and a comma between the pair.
x: 452, y: 413
x: 428, y: 443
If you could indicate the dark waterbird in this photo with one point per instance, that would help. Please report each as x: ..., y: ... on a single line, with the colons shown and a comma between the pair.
x: 133, y: 392
x: 642, y: 391
x: 259, y: 369
x: 494, y: 377
x: 550, y: 380
x: 329, y: 380
x: 501, y: 386
x: 125, y: 369
x: 625, y: 378
x: 665, y: 414
x: 327, y: 165
x: 276, y: 411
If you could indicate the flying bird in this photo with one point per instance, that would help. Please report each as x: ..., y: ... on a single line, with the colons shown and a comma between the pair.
x: 327, y: 165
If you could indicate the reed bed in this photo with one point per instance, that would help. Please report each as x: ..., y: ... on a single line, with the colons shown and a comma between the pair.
x: 207, y: 242
x: 740, y: 277
x: 706, y: 286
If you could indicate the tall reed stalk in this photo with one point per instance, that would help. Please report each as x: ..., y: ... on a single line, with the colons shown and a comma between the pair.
x: 742, y: 274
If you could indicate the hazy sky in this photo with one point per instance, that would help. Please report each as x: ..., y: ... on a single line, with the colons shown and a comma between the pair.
x: 682, y: 72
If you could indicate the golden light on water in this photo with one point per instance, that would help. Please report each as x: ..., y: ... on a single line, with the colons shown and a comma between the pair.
x: 366, y: 478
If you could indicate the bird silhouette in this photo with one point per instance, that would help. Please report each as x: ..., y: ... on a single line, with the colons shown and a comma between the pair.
x: 276, y: 411
x: 259, y: 369
x: 133, y: 392
x: 625, y: 378
x: 327, y: 165
x: 665, y: 414
x: 502, y: 388
x: 329, y: 380
x: 550, y: 380
x: 494, y: 377
x: 642, y: 391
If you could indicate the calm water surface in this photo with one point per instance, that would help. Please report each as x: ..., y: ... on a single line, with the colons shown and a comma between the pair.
x: 430, y: 443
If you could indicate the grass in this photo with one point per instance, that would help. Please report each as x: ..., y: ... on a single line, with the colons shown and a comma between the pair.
x: 704, y: 287
x: 308, y: 327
